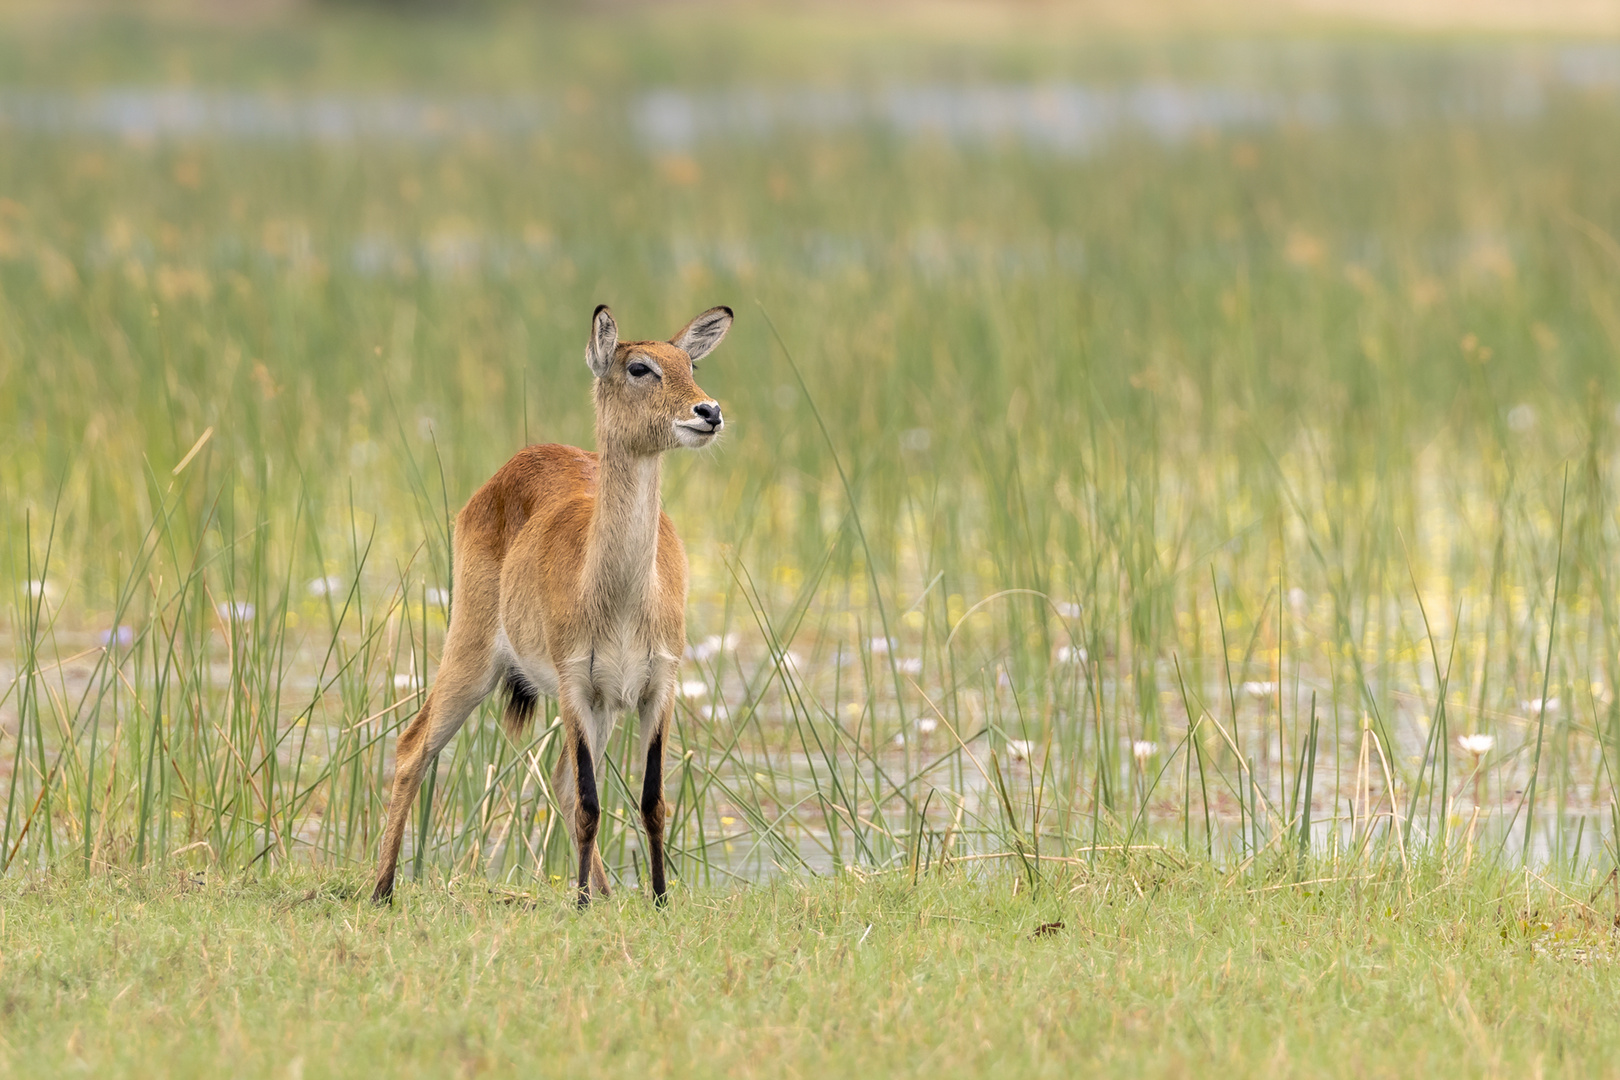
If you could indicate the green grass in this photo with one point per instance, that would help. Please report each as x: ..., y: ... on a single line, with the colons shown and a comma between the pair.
x: 1310, y: 415
x: 1155, y: 970
x: 1300, y: 424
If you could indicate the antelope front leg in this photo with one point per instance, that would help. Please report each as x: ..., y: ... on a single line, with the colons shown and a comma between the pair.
x: 587, y: 814
x: 574, y: 781
x: 655, y: 721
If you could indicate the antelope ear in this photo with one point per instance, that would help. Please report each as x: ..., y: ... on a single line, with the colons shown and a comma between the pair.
x: 604, y: 339
x: 703, y: 333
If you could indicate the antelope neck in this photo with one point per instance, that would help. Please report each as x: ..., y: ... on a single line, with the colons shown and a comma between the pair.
x: 622, y: 552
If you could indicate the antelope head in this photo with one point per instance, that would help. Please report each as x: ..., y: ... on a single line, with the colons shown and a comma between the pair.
x: 647, y: 397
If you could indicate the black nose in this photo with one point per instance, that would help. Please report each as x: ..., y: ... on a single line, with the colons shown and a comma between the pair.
x: 709, y: 411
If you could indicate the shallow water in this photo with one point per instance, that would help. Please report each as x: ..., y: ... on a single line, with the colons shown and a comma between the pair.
x: 1065, y: 117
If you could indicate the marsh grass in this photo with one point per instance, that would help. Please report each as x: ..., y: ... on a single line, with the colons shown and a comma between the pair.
x: 1191, y: 485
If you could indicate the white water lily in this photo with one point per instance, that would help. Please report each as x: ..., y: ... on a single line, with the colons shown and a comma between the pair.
x: 436, y: 596
x: 1259, y: 690
x: 926, y: 725
x: 1535, y: 706
x: 909, y: 665
x: 712, y: 646
x: 235, y: 611
x: 694, y: 688
x: 406, y: 680
x: 1020, y: 749
x: 330, y: 585
x: 881, y: 645
x: 1478, y: 745
x: 1141, y: 750
x: 1071, y: 654
x: 1068, y: 610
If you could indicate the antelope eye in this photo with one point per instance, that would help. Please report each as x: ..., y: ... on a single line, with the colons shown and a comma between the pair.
x: 638, y: 369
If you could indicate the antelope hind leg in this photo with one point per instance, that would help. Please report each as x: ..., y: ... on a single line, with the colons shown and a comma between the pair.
x: 449, y: 703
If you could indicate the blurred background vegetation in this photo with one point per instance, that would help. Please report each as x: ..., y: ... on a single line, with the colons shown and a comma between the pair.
x: 1185, y: 423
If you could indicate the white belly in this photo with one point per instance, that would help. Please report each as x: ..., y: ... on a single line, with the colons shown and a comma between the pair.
x: 620, y: 671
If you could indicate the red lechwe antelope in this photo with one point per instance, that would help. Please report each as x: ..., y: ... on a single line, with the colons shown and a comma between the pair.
x: 570, y: 582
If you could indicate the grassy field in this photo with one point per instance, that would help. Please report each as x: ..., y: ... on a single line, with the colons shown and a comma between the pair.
x: 1137, y: 439
x: 1142, y: 968
x: 1153, y: 611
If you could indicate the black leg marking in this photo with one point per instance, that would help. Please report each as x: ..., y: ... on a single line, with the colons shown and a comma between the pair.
x: 652, y: 814
x: 587, y: 816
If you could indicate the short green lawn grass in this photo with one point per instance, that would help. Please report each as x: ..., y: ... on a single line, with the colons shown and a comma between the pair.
x: 1143, y: 969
